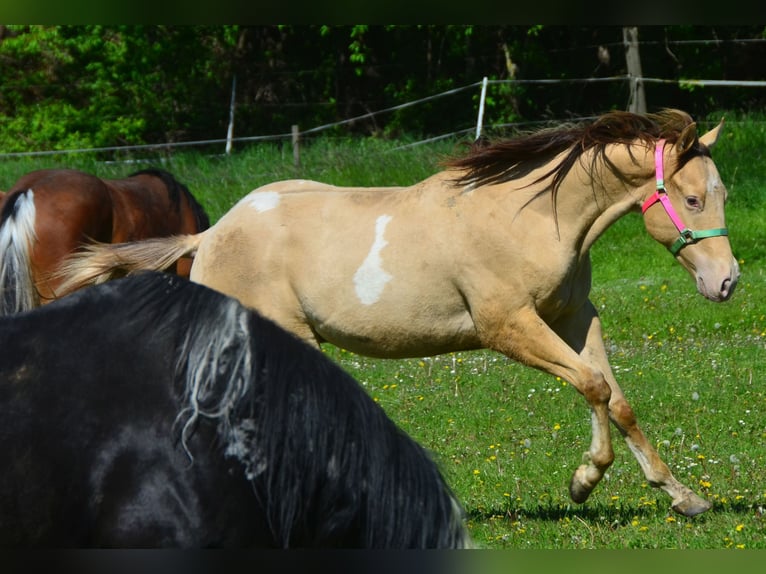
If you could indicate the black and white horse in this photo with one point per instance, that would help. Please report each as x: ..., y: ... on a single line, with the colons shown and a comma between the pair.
x: 155, y: 412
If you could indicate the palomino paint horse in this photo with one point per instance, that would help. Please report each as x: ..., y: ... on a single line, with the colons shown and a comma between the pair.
x: 49, y: 213
x: 155, y: 412
x: 491, y: 253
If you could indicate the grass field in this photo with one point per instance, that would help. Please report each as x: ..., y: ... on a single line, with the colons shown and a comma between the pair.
x: 507, y: 437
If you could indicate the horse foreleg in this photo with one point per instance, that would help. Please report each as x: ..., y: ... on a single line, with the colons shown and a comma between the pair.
x: 584, y: 334
x: 529, y: 340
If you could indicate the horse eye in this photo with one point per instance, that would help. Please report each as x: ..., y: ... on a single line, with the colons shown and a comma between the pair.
x: 693, y: 202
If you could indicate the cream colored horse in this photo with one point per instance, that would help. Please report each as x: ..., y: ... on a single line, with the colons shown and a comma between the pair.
x: 491, y: 253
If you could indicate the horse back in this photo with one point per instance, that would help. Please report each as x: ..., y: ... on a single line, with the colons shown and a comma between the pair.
x: 70, y: 207
x: 152, y: 203
x: 92, y: 449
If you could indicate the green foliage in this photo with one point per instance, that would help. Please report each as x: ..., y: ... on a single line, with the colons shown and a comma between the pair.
x: 93, y: 86
x: 101, y: 86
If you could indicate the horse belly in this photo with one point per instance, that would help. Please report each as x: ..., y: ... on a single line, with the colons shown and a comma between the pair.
x: 392, y: 329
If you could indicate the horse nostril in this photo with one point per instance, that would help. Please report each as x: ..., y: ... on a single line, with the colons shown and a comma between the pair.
x: 727, y: 287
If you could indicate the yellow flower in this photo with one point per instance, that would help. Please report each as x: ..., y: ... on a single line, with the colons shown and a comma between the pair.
x: 476, y: 471
x: 740, y: 527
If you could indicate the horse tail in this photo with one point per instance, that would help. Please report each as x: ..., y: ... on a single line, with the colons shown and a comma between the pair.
x: 98, y: 262
x: 17, y: 235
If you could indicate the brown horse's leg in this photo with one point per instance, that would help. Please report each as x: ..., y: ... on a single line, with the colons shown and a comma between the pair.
x: 529, y: 340
x: 583, y: 332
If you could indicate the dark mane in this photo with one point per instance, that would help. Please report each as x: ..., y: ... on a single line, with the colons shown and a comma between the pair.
x: 506, y: 160
x: 311, y: 440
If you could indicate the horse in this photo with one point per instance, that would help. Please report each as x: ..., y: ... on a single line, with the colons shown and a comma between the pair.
x: 152, y: 411
x: 49, y: 213
x: 491, y: 252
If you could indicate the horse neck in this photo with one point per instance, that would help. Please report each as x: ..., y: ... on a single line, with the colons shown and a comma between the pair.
x: 599, y: 197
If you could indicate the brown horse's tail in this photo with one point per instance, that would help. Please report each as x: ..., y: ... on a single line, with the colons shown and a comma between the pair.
x: 17, y: 237
x: 99, y: 262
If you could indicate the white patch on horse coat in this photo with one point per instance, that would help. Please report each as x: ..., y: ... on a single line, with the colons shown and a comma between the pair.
x: 371, y: 278
x: 243, y: 445
x: 264, y: 200
x: 713, y: 183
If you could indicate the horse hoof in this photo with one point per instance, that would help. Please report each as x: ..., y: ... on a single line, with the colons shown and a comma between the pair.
x: 578, y: 491
x: 692, y: 505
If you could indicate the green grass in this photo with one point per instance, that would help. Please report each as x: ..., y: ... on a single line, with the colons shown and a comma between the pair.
x: 507, y: 437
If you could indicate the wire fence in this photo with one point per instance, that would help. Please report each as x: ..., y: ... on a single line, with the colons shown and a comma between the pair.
x: 483, y: 84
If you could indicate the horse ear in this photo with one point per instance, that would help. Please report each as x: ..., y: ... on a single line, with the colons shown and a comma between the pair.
x: 711, y: 137
x: 687, y: 138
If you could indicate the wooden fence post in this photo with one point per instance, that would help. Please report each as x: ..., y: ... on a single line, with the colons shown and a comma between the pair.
x: 296, y: 146
x: 230, y: 131
x: 633, y: 61
x: 480, y: 120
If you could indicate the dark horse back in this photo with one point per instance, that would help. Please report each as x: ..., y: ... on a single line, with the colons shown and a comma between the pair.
x: 90, y: 399
x: 151, y: 411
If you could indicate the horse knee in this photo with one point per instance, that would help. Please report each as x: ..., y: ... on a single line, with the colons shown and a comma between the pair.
x: 622, y: 413
x: 595, y: 389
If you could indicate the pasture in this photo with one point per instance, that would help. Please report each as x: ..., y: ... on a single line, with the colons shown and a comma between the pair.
x: 509, y: 437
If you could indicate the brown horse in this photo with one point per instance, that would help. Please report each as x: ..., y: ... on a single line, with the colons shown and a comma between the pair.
x: 491, y: 253
x: 49, y: 213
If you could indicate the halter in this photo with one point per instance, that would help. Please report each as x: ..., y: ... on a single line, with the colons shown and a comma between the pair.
x: 687, y: 235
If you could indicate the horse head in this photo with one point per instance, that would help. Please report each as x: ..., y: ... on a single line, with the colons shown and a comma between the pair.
x: 686, y: 212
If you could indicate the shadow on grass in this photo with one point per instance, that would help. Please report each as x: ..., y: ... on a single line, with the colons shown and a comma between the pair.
x: 613, y: 514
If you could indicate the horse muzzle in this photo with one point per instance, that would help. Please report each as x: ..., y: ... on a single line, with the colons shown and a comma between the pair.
x: 717, y: 286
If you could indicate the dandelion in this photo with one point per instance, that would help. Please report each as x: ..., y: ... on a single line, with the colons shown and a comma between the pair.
x: 476, y: 472
x: 556, y: 427
x: 670, y: 519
